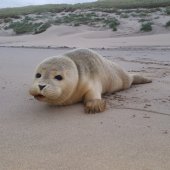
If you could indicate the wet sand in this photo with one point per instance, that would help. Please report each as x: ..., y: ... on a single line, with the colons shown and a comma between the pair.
x: 132, y: 134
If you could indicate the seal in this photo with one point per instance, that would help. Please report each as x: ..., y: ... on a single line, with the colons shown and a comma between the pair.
x: 80, y: 75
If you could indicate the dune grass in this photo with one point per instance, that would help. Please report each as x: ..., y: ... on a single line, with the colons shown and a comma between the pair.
x: 168, y: 10
x: 110, y: 5
x: 30, y: 25
x: 90, y: 19
x: 146, y: 27
x: 138, y: 3
x: 167, y: 24
x: 26, y: 26
x: 112, y: 23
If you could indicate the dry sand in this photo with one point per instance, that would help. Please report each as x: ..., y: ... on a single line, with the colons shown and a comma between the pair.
x: 84, y: 36
x: 132, y: 134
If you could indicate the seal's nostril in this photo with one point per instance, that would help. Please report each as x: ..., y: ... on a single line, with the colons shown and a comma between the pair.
x: 41, y: 86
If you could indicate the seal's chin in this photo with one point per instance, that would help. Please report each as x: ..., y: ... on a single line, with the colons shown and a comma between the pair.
x: 39, y: 97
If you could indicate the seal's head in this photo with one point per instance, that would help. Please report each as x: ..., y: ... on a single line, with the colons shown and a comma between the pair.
x: 56, y: 79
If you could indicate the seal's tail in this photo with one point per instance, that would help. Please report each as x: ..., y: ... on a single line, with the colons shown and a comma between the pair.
x: 139, y: 79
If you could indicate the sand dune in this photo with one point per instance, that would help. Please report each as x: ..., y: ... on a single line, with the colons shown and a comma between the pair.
x: 58, y: 36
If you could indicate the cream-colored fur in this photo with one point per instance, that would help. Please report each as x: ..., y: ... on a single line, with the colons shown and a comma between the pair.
x: 86, y: 75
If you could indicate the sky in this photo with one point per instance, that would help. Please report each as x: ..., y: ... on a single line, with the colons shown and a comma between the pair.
x: 18, y: 3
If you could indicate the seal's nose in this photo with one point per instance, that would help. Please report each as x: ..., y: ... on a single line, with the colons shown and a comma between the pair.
x: 41, y: 86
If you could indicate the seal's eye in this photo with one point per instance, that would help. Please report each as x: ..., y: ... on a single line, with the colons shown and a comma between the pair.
x: 38, y: 75
x: 58, y: 77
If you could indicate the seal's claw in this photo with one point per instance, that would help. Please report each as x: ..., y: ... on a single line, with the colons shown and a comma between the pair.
x: 95, y: 106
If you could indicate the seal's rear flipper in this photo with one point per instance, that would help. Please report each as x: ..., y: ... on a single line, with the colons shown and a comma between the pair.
x: 139, y: 79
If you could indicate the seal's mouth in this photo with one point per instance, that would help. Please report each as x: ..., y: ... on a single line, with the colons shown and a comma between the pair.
x: 39, y: 97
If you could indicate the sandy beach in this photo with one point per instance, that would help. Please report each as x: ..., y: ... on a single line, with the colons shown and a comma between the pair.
x: 132, y: 134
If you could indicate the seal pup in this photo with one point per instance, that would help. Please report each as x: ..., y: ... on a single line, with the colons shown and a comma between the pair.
x: 80, y: 75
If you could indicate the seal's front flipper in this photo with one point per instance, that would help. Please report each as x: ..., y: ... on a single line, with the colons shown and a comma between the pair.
x: 95, y: 106
x: 93, y: 101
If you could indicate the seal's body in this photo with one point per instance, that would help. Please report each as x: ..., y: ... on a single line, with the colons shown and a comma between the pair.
x: 80, y: 75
